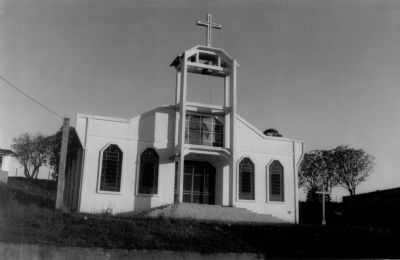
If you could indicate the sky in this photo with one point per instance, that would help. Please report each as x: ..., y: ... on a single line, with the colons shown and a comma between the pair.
x: 323, y: 71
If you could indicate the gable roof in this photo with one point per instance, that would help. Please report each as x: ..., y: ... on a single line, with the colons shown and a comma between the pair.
x: 377, y: 193
x: 261, y: 134
x: 6, y: 152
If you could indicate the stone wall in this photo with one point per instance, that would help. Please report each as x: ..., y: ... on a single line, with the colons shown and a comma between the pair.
x: 11, y: 251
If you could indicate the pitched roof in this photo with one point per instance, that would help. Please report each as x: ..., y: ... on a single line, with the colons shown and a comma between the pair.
x: 6, y: 152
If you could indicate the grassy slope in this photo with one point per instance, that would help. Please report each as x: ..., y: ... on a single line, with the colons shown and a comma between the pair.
x: 26, y: 215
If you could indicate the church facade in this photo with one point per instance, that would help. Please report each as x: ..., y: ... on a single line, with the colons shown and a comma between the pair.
x: 188, y: 153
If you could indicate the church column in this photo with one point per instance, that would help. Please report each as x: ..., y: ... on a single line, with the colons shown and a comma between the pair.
x: 227, y: 177
x: 176, y: 138
x: 182, y: 119
x: 177, y: 103
x: 232, y: 132
x: 227, y: 111
x: 178, y: 87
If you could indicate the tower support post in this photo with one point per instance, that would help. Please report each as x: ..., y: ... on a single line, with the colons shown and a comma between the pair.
x: 232, y: 133
x: 182, y: 87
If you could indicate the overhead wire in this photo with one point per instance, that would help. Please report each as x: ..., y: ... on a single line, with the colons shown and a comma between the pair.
x: 47, y: 108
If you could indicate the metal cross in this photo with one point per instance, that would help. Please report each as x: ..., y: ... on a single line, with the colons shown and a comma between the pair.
x: 210, y: 25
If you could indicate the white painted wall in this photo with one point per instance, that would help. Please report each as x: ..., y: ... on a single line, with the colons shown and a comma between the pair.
x: 156, y: 129
x: 153, y: 129
x: 262, y: 150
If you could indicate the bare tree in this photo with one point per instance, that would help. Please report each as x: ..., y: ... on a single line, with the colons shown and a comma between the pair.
x: 32, y: 153
x: 352, y: 166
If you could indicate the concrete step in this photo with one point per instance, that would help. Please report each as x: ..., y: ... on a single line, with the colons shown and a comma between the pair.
x: 211, y: 213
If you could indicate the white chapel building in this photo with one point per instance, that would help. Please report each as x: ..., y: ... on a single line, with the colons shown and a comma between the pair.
x: 187, y: 152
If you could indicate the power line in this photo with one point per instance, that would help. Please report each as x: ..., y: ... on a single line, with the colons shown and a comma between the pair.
x: 9, y: 83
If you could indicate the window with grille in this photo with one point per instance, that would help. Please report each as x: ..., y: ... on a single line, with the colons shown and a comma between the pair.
x: 204, y: 130
x: 111, y: 169
x: 246, y: 179
x: 148, y: 175
x: 276, y: 187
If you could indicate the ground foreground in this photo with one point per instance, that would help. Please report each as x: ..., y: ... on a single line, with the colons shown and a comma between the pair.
x: 27, y: 216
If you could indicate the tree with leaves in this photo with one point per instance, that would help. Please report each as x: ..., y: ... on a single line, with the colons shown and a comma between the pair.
x: 54, y: 146
x: 32, y: 152
x: 272, y: 132
x: 352, y: 166
x: 317, y: 171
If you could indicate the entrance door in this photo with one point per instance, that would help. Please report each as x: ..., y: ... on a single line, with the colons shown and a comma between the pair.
x: 199, y: 183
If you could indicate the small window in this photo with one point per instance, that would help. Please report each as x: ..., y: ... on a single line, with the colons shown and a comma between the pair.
x: 276, y: 189
x: 246, y: 179
x: 148, y: 175
x: 111, y: 169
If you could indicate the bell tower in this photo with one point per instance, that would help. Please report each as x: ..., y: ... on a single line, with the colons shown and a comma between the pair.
x: 215, y: 138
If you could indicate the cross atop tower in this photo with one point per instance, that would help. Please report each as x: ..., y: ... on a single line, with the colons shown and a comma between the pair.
x: 210, y: 25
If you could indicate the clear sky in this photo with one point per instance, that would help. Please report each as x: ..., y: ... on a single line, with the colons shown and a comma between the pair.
x: 324, y: 71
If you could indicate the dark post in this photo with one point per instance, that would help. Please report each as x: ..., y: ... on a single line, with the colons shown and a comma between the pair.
x: 323, y: 205
x: 62, y: 165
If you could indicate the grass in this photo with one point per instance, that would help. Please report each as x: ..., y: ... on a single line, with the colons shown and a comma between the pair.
x: 27, y: 215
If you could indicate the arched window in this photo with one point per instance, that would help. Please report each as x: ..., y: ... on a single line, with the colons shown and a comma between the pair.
x: 111, y: 166
x: 148, y: 175
x: 246, y: 179
x: 276, y: 187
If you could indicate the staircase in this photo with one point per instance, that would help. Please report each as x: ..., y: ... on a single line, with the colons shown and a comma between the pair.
x: 211, y: 213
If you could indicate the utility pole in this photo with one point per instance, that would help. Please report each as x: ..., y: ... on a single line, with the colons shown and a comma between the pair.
x: 323, y: 205
x: 62, y: 165
x: 323, y: 193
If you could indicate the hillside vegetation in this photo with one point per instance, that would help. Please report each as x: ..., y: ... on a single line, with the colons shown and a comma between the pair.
x: 27, y: 215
